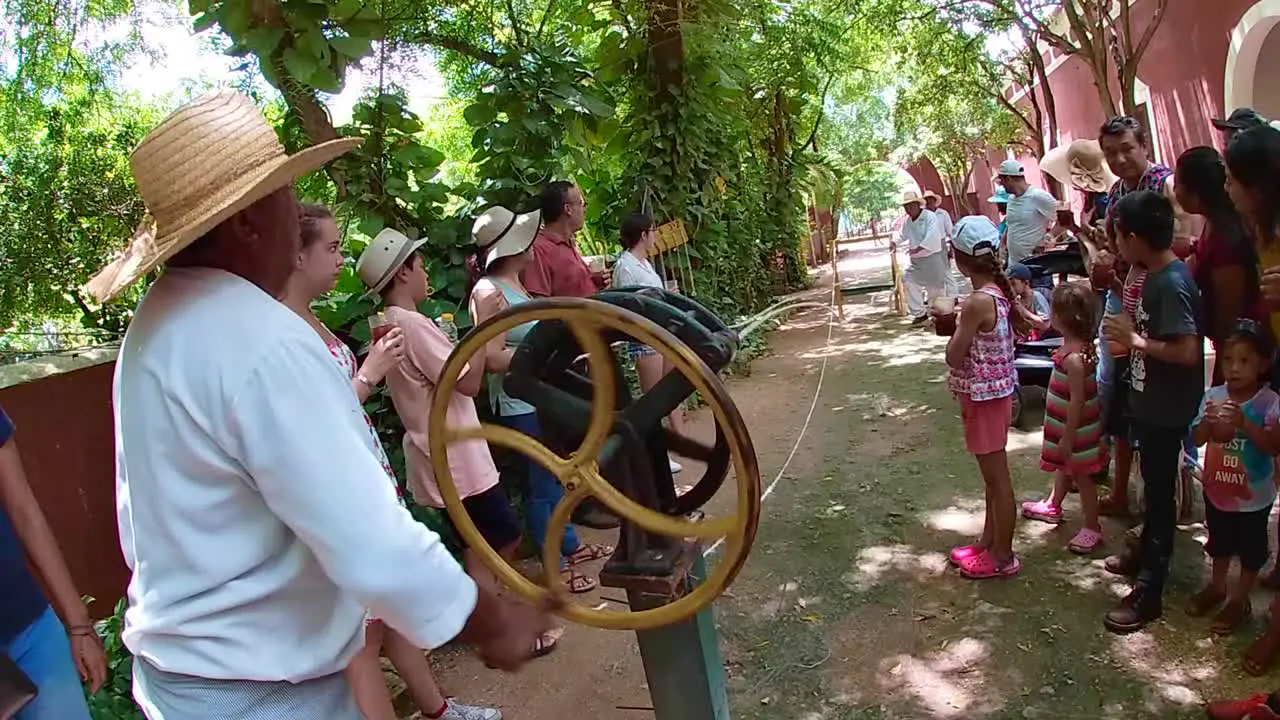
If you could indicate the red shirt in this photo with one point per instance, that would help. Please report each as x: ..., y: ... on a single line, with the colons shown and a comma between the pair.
x: 1212, y: 252
x: 558, y: 269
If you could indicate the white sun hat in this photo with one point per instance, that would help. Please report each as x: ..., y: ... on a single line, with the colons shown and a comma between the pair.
x: 383, y: 256
x: 210, y: 159
x: 503, y: 233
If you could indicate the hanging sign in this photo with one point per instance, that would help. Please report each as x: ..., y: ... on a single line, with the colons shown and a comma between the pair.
x: 670, y: 236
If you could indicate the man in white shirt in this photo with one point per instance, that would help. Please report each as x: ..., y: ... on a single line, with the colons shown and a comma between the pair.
x: 259, y: 526
x: 1032, y: 212
x: 926, y: 277
x: 931, y: 203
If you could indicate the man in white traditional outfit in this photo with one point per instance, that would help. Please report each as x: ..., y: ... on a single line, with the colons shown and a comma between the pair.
x: 926, y: 277
x: 931, y: 203
x: 257, y: 521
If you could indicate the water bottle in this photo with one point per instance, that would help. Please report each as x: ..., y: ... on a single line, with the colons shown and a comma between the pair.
x: 445, y: 322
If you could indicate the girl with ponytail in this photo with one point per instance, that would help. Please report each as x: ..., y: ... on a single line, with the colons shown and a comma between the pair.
x: 1073, y: 449
x: 980, y: 355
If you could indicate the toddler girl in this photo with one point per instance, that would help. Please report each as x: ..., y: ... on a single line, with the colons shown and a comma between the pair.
x: 980, y: 355
x: 1238, y: 420
x: 1073, y: 448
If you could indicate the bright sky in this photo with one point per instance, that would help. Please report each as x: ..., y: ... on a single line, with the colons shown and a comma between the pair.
x: 189, y: 64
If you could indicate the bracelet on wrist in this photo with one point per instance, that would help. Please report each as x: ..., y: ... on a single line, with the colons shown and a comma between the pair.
x: 364, y: 381
x: 81, y: 630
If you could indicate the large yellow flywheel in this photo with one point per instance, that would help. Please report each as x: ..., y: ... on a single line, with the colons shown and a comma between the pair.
x: 592, y: 322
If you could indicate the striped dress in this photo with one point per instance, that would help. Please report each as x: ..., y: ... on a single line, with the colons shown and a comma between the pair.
x: 1087, y: 454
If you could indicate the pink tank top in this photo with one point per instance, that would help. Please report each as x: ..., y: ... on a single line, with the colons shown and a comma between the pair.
x: 988, y: 373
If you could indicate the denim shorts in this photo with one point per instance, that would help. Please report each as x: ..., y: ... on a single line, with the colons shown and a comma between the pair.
x: 43, y: 652
x: 638, y: 350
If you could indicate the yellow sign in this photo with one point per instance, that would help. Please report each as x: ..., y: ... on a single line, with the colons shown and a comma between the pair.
x: 670, y: 236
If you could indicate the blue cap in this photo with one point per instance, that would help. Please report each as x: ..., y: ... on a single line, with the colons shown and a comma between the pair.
x: 1018, y: 271
x: 975, y: 235
x: 1001, y: 196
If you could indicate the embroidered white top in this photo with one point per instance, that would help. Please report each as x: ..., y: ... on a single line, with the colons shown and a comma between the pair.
x: 252, y: 510
x: 631, y: 271
x: 925, y: 233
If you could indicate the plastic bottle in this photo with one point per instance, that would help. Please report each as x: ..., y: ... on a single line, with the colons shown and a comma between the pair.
x: 445, y: 322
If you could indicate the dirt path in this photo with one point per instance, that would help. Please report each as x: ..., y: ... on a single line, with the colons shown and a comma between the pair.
x: 847, y: 608
x: 594, y: 673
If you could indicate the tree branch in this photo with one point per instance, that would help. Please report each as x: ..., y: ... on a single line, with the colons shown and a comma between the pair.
x: 1145, y: 40
x: 466, y: 49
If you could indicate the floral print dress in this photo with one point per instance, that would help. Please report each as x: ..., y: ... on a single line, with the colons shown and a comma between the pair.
x: 347, y: 361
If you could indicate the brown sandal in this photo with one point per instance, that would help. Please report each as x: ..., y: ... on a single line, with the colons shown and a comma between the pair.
x: 1203, y: 602
x: 1262, y: 652
x: 588, y: 552
x: 579, y: 584
x: 1232, y: 615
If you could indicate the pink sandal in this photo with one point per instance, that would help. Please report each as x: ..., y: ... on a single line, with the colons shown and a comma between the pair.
x: 984, y: 567
x: 1085, y: 541
x: 1042, y: 510
x: 964, y: 552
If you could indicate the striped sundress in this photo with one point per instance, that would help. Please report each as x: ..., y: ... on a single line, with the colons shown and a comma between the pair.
x: 1087, y: 454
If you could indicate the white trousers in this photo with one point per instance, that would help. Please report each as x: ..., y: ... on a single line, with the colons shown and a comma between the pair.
x: 925, y: 279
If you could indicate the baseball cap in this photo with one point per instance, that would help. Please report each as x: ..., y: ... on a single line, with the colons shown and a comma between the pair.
x: 1018, y: 271
x: 1241, y: 119
x: 975, y: 235
x: 1011, y: 168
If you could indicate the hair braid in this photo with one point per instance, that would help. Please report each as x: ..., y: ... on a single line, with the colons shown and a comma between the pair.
x: 1021, y: 325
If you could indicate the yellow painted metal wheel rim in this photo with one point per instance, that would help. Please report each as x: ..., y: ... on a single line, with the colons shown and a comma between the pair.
x: 579, y: 473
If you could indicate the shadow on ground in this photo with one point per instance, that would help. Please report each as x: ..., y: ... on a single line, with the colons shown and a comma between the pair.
x: 847, y: 608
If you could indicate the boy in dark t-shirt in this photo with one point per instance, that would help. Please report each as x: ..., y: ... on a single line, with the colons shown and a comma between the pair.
x: 1166, y: 383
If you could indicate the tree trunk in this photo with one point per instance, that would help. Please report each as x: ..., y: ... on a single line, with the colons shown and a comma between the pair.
x: 666, y: 47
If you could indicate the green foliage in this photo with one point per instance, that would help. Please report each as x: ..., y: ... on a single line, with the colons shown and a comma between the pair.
x: 114, y: 700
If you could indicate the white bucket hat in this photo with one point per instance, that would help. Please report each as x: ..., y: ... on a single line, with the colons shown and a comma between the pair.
x: 503, y: 233
x: 210, y: 159
x: 383, y: 256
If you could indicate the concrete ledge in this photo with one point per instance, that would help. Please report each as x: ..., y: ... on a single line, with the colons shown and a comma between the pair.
x: 29, y: 370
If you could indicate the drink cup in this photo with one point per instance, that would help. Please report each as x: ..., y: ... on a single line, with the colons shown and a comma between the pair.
x: 378, y: 326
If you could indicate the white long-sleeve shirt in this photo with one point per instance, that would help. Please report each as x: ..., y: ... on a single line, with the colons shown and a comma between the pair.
x: 256, y: 519
x: 923, y: 233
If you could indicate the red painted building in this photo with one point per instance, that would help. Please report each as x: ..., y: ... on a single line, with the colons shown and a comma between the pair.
x: 1206, y: 58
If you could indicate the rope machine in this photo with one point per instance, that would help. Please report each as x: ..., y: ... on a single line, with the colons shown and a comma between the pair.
x: 611, y: 445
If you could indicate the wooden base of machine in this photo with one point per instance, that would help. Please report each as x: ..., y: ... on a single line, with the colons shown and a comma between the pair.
x: 669, y: 585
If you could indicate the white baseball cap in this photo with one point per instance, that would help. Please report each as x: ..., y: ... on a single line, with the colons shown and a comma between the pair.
x: 975, y: 235
x: 1011, y: 168
x: 385, y: 254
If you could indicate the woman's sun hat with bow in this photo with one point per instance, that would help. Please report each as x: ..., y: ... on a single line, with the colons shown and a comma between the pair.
x: 210, y: 159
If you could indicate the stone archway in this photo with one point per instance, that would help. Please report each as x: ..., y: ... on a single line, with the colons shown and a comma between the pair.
x: 1253, y: 59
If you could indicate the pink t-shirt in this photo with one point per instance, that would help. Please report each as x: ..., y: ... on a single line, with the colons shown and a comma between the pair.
x: 412, y: 386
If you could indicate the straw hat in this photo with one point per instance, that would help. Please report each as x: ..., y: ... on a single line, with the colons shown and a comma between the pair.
x: 504, y: 233
x: 930, y: 194
x: 210, y: 159
x: 911, y: 196
x: 383, y: 256
x: 1080, y: 164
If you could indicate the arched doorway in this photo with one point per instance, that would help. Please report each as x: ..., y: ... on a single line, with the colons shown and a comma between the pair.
x: 1253, y: 59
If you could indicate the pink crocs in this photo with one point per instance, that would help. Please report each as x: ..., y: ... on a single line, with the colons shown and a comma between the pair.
x: 964, y: 552
x: 1085, y: 541
x: 984, y: 567
x: 1042, y: 510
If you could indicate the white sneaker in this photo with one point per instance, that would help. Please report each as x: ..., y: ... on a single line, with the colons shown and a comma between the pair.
x: 458, y: 711
x: 675, y: 466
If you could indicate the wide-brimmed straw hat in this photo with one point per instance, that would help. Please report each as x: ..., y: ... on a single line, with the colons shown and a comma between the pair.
x: 504, y: 233
x: 911, y: 196
x: 930, y: 194
x: 210, y: 159
x: 1080, y: 165
x: 383, y: 256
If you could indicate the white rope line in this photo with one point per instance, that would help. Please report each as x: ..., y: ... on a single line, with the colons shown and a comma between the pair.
x: 817, y: 391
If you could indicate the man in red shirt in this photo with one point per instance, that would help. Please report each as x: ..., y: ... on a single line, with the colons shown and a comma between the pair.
x: 558, y: 269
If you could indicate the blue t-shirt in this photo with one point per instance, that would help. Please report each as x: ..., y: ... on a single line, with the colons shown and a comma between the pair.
x: 21, y: 600
x: 1238, y: 475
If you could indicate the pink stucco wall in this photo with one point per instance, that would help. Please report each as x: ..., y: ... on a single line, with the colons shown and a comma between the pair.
x: 1183, y: 67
